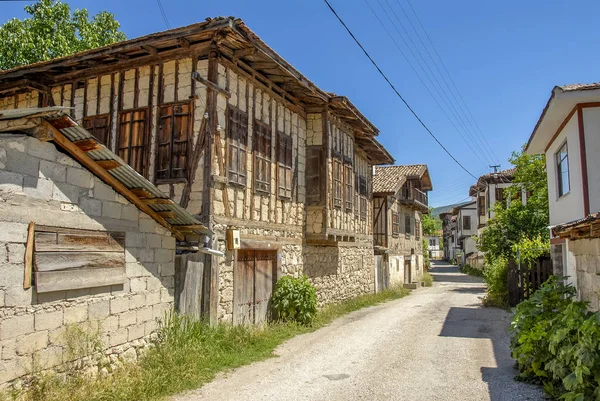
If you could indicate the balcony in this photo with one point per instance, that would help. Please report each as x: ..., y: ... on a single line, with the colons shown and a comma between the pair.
x: 413, y: 197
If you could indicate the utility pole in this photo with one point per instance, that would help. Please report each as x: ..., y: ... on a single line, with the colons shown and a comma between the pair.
x: 495, y: 167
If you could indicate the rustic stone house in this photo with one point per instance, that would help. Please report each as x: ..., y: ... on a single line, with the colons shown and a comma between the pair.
x: 277, y: 169
x: 399, y: 200
x: 78, y: 246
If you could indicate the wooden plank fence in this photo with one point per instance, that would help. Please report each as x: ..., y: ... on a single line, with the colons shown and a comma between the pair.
x: 524, y: 280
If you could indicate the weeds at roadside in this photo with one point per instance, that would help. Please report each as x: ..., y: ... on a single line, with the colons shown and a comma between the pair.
x: 427, y: 279
x: 189, y: 354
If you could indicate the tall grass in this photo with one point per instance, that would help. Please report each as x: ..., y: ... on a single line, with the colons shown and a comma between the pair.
x: 189, y: 354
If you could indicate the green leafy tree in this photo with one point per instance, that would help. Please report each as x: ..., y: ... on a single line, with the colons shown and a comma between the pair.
x: 53, y: 31
x: 431, y: 225
x: 515, y: 226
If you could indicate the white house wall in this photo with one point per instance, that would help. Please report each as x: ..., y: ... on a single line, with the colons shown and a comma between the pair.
x: 591, y: 123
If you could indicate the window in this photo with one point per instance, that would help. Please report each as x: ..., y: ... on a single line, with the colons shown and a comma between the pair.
x: 237, y: 132
x: 132, y: 143
x: 481, y: 205
x: 284, y: 165
x: 432, y: 242
x: 418, y: 229
x: 362, y: 182
x: 466, y: 222
x: 262, y: 157
x: 99, y: 127
x: 348, y: 178
x: 562, y: 170
x: 356, y: 195
x: 173, y: 141
x: 499, y: 194
x: 337, y: 183
x: 395, y: 224
x: 407, y: 225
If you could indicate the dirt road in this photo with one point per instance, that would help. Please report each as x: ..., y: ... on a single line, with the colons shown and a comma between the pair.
x: 436, y: 344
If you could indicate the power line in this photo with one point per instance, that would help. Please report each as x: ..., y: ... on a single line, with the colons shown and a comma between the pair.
x: 478, y: 129
x: 395, y: 90
x: 419, y: 75
x: 164, y: 15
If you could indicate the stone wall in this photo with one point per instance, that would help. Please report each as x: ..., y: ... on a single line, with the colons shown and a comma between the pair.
x: 41, y: 184
x: 587, y: 256
x: 340, y: 272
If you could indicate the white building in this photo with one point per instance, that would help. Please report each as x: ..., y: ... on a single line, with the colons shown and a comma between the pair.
x: 568, y: 133
x: 435, y: 247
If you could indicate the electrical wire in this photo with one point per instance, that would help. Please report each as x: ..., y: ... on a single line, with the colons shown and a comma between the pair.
x: 395, y: 90
x: 164, y: 15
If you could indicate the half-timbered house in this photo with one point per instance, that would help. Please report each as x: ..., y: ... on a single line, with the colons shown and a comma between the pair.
x: 278, y: 169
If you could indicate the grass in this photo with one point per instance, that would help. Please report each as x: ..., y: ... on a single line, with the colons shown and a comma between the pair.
x: 427, y: 279
x: 188, y: 355
x: 468, y: 269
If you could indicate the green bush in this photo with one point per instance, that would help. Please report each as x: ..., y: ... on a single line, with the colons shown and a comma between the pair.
x: 495, y: 276
x: 556, y: 342
x: 470, y: 270
x: 427, y: 279
x: 295, y: 299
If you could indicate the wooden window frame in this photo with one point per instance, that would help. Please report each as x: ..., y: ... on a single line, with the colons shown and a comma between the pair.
x: 237, y: 146
x: 93, y: 120
x: 172, y: 143
x: 338, y: 177
x: 417, y: 229
x: 144, y: 147
x: 499, y: 193
x: 466, y: 222
x: 349, y: 192
x: 284, y: 166
x: 395, y: 224
x: 262, y: 157
x: 407, y: 225
x: 481, y: 205
x: 558, y: 161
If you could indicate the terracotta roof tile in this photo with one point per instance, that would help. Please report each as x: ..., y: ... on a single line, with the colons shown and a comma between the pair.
x: 577, y: 87
x: 390, y: 178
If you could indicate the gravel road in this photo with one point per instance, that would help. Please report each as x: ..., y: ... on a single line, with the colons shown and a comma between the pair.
x: 436, y: 344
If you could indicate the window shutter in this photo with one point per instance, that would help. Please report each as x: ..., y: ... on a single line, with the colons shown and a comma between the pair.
x: 237, y: 132
x: 313, y: 174
x: 99, y: 127
x: 132, y: 144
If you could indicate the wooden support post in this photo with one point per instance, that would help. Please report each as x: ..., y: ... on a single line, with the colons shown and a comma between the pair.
x: 29, y: 256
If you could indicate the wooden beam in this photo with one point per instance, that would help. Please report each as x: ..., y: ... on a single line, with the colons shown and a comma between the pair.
x: 158, y: 201
x: 87, y: 145
x: 141, y: 193
x: 120, y: 56
x: 205, y: 82
x: 183, y: 42
x: 167, y: 214
x: 29, y: 256
x: 244, y: 52
x: 108, y: 164
x: 262, y: 65
x: 190, y: 228
x: 84, y: 159
x: 149, y: 49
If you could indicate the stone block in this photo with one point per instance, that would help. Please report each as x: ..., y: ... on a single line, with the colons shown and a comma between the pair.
x: 159, y: 311
x: 146, y: 255
x: 52, y: 171
x: 137, y: 301
x: 16, y: 253
x: 119, y: 305
x: 127, y: 318
x: 110, y: 324
x: 66, y: 193
x: 118, y: 337
x: 79, y: 177
x: 135, y: 332
x: 163, y: 255
x: 134, y: 269
x: 15, y: 368
x: 99, y: 310
x: 167, y: 269
x: 144, y: 314
x: 49, y: 357
x: 75, y: 314
x: 32, y: 342
x: 150, y: 326
x: 168, y: 242
x: 111, y: 209
x: 11, y: 182
x: 16, y: 326
x: 153, y: 241
x: 48, y: 320
x: 129, y: 356
x: 17, y: 296
x: 153, y: 284
x: 130, y: 212
x: 137, y: 284
x: 166, y: 295
x: 22, y: 163
x: 43, y: 150
x: 103, y: 191
x: 153, y: 298
x: 133, y: 239
x: 39, y: 188
x: 147, y: 226
x: 91, y: 207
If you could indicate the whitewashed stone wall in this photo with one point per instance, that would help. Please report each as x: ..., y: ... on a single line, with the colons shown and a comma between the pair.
x: 41, y: 184
x: 587, y: 256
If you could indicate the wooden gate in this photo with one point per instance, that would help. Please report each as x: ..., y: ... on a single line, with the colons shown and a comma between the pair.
x: 523, y: 281
x: 253, y: 281
x: 382, y: 273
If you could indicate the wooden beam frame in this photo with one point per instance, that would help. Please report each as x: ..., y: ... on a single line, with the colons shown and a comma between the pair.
x: 244, y: 52
x: 196, y: 76
x: 84, y: 159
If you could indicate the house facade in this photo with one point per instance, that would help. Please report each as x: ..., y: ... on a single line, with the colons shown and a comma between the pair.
x: 466, y: 230
x: 567, y: 134
x: 399, y: 201
x: 278, y: 170
x: 489, y: 190
x: 435, y: 246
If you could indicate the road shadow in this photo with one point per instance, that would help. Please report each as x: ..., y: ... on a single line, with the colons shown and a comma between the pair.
x: 443, y: 272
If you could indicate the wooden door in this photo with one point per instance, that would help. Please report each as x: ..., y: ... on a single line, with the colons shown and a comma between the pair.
x: 253, y: 282
x: 407, y: 272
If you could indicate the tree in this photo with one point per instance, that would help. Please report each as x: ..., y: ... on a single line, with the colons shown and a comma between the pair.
x: 431, y: 225
x: 517, y: 224
x: 52, y: 31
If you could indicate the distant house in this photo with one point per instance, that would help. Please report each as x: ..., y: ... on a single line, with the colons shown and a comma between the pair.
x: 567, y: 132
x: 488, y: 190
x: 435, y: 246
x: 399, y: 200
x: 448, y: 234
x: 466, y: 229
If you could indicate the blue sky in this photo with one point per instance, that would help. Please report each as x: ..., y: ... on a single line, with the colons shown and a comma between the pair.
x: 504, y: 57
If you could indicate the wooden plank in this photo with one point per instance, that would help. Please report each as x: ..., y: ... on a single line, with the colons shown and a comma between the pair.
x: 84, y: 159
x: 244, y: 52
x: 167, y: 214
x: 29, y: 246
x: 80, y: 261
x: 141, y: 193
x: 151, y: 50
x: 75, y: 279
x: 108, y: 164
x: 75, y: 242
x: 87, y: 145
x: 189, y: 281
x: 196, y: 76
x: 158, y: 201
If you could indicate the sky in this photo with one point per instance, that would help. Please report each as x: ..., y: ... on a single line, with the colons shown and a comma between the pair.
x: 502, y: 60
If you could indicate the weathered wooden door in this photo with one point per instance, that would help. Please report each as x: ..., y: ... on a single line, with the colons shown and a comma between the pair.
x: 382, y: 273
x: 407, y: 272
x: 253, y: 281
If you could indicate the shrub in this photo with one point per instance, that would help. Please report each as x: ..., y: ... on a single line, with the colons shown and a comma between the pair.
x: 555, y: 341
x: 470, y: 270
x: 295, y: 299
x: 495, y: 276
x: 427, y: 279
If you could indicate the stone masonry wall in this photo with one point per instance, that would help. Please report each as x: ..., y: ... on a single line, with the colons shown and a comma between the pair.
x: 587, y: 256
x: 41, y: 184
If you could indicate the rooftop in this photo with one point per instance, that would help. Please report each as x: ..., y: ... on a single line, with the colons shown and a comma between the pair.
x: 389, y: 179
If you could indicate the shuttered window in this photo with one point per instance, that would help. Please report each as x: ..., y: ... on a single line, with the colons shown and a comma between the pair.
x: 481, y: 205
x: 284, y: 166
x: 99, y: 127
x: 314, y: 181
x: 173, y: 141
x: 237, y: 132
x: 132, y: 143
x: 337, y: 183
x: 395, y: 224
x: 348, y: 194
x: 262, y: 157
x: 466, y: 223
x: 407, y: 225
x: 356, y: 195
x: 499, y: 194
